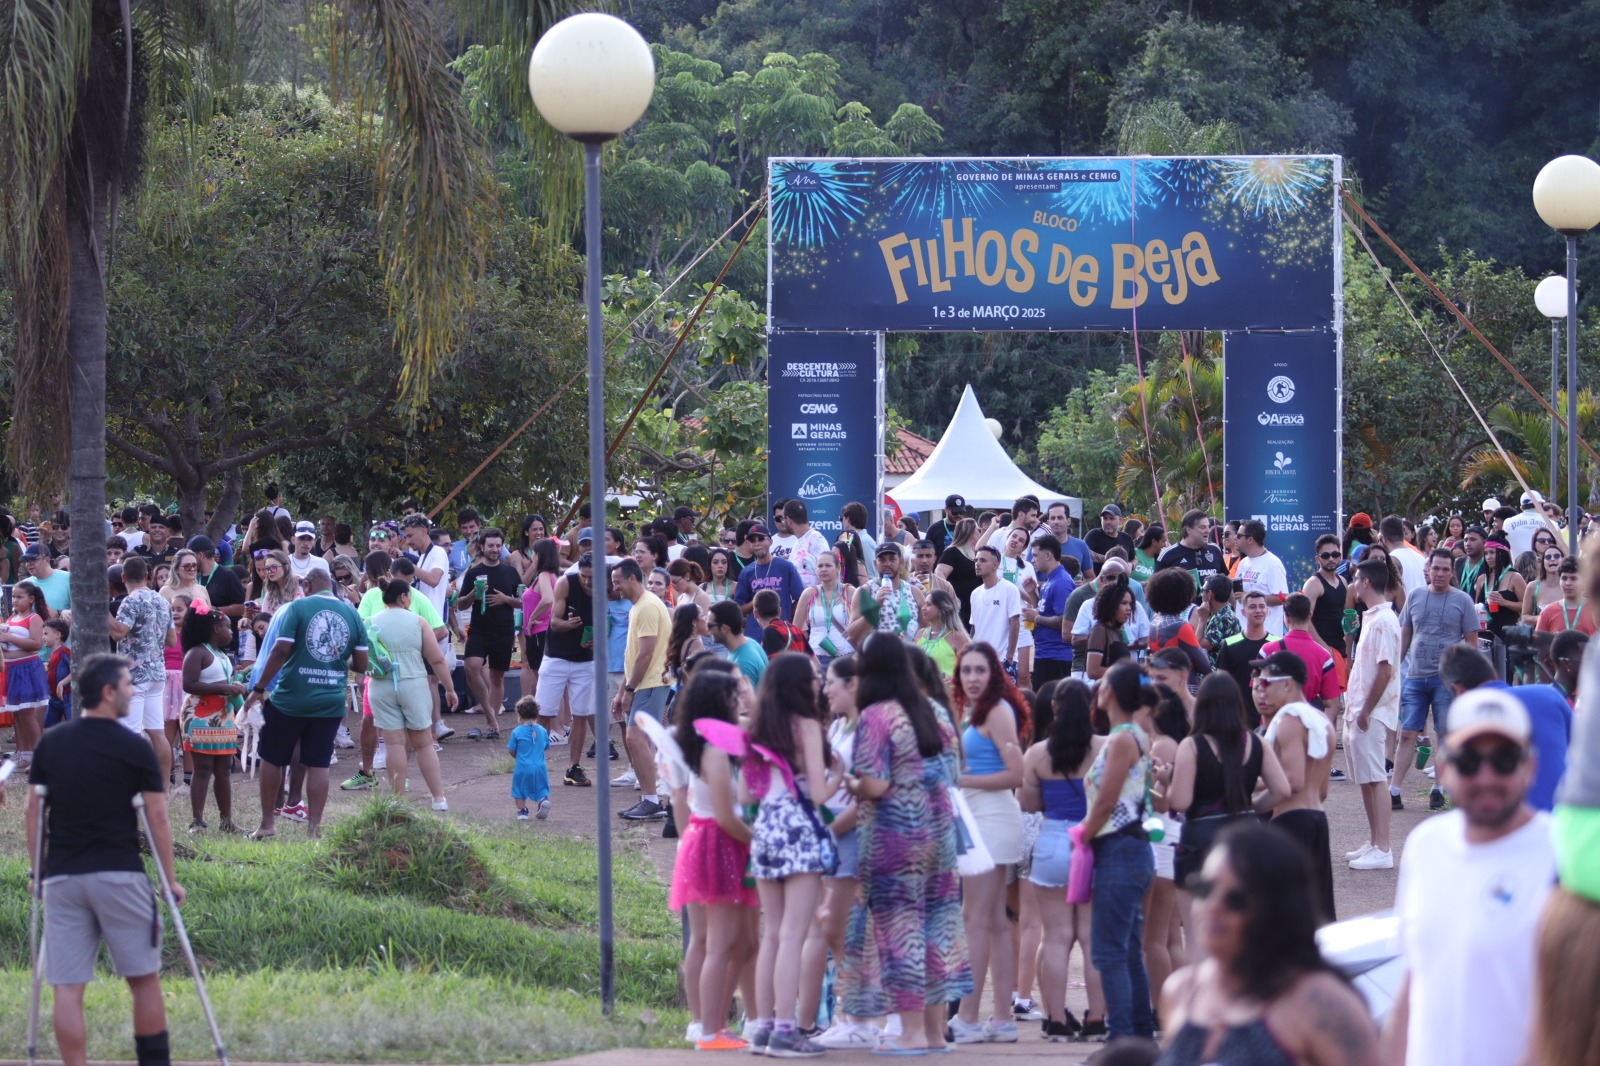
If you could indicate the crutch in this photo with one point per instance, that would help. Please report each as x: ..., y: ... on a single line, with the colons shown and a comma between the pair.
x: 177, y: 926
x: 35, y: 940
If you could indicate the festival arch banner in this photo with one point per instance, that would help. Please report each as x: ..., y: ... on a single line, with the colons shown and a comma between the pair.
x: 1246, y: 245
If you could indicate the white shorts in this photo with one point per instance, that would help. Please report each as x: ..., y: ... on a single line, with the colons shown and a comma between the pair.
x: 575, y: 681
x: 1363, y: 752
x: 148, y: 711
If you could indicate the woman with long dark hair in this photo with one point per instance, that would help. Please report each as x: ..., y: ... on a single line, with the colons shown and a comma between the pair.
x: 1499, y: 587
x: 790, y: 850
x: 690, y: 636
x: 538, y: 599
x: 1109, y: 642
x: 1214, y: 776
x: 724, y: 575
x: 905, y: 948
x: 27, y: 691
x: 534, y: 530
x: 1152, y: 542
x: 995, y: 716
x: 1052, y: 782
x: 1263, y: 995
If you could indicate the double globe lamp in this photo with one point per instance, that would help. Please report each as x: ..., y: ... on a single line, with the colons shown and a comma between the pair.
x: 591, y: 77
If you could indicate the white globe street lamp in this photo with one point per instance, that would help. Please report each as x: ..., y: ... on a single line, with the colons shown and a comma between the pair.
x: 1551, y: 298
x: 591, y: 77
x: 1567, y: 196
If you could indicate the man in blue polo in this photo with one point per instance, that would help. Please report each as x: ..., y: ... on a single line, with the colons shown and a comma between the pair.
x: 316, y: 641
x: 1052, y: 631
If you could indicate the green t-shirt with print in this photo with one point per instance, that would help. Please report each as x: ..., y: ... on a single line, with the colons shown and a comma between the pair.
x: 325, y: 631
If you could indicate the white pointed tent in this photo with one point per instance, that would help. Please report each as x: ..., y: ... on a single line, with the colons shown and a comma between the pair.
x: 969, y: 461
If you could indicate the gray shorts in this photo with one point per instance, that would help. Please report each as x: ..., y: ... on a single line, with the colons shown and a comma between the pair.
x: 651, y: 701
x: 81, y: 910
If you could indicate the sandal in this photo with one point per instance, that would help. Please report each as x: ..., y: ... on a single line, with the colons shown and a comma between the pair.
x: 258, y: 835
x: 226, y: 826
x: 493, y: 734
x: 889, y: 1047
x: 474, y: 734
x: 196, y: 827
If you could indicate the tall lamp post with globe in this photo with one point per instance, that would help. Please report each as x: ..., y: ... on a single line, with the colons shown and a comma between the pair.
x: 1567, y: 196
x: 591, y: 77
x: 1551, y: 298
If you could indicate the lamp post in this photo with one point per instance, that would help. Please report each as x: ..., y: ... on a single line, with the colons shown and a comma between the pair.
x: 1567, y: 196
x: 1551, y: 298
x: 591, y: 77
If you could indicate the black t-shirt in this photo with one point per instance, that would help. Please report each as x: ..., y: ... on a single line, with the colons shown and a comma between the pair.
x: 93, y: 768
x: 1235, y: 656
x: 502, y: 577
x: 225, y: 590
x: 1205, y: 562
x: 567, y: 644
x: 963, y: 578
x: 165, y: 555
x: 939, y: 535
x: 1100, y: 542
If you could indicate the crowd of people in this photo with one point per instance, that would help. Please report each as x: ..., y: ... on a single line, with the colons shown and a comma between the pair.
x: 911, y: 775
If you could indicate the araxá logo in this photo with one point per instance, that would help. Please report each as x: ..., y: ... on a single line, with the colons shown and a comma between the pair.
x: 818, y: 487
x: 1280, y: 389
x: 1269, y: 419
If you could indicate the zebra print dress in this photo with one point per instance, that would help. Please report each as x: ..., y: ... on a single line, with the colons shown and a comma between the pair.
x: 905, y: 947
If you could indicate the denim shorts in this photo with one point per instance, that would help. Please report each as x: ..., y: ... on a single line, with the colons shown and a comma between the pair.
x: 849, y: 854
x: 1052, y: 854
x: 1418, y: 697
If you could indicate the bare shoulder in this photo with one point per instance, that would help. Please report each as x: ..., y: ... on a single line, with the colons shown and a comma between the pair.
x: 1325, y: 1021
x: 1175, y: 996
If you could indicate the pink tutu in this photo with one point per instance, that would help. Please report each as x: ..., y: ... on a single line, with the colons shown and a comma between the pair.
x: 710, y: 867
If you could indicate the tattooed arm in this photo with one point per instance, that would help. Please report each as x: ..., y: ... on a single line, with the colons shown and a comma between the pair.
x: 1325, y: 1023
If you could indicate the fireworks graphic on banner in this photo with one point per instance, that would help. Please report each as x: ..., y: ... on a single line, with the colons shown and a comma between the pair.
x: 812, y: 199
x: 1105, y: 201
x: 1275, y: 185
x: 930, y: 193
x: 1189, y: 182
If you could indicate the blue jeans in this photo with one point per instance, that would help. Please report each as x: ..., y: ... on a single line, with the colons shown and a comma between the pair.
x: 1123, y: 867
x: 1420, y: 695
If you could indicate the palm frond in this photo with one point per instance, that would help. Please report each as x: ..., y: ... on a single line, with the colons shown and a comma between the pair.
x: 44, y: 50
x: 435, y: 189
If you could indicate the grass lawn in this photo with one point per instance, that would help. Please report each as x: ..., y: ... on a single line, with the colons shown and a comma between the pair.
x: 398, y: 938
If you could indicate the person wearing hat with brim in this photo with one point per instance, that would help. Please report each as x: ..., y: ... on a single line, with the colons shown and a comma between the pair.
x: 1521, y: 527
x: 1108, y: 535
x: 955, y: 509
x: 1473, y: 882
x: 304, y: 560
x: 891, y: 604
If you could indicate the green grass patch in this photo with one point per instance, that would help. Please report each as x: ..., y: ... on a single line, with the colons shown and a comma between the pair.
x: 374, y: 1013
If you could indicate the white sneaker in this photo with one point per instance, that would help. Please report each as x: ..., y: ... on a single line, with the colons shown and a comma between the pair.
x: 380, y: 758
x: 442, y: 731
x: 627, y: 779
x: 692, y: 1035
x: 846, y: 1036
x: 1373, y: 860
x: 1362, y: 850
x: 999, y: 1032
x: 1025, y: 1010
x: 558, y: 738
x: 342, y: 739
x: 1429, y: 771
x: 892, y: 1028
x: 967, y: 1033
x: 441, y: 805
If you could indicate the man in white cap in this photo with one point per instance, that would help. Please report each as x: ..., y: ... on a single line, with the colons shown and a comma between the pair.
x: 1519, y: 530
x: 1472, y: 884
x: 1490, y: 506
x: 302, y: 562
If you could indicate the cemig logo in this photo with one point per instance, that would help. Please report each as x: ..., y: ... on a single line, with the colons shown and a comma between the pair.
x: 1280, y: 389
x: 1269, y: 419
x: 819, y: 408
x: 817, y: 487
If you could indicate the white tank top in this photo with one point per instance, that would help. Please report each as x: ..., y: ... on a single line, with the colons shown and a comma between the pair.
x: 219, y: 671
x: 831, y: 628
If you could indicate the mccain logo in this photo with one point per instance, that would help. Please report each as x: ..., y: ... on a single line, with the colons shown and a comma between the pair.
x: 818, y: 487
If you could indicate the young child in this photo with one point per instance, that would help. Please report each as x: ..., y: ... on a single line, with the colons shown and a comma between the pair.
x: 530, y: 781
x: 58, y: 670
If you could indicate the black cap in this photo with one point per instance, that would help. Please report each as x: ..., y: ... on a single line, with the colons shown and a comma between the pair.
x: 955, y: 502
x: 1111, y: 509
x: 888, y: 547
x: 1282, y: 664
x: 684, y: 512
x: 201, y: 544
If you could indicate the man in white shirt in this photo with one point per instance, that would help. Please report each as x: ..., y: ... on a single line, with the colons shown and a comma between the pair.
x: 1373, y: 711
x: 1260, y: 571
x: 1024, y: 513
x: 433, y: 561
x: 808, y: 543
x: 1519, y: 530
x: 1472, y: 887
x: 1413, y: 567
x: 996, y: 606
x: 302, y: 562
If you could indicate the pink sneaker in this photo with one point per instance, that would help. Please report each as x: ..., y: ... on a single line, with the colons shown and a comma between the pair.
x: 298, y: 813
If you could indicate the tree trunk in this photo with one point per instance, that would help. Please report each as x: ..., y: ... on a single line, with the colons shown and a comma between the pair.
x: 227, y: 505
x: 86, y: 471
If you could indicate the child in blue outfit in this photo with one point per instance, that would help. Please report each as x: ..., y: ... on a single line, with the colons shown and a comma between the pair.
x: 530, y: 781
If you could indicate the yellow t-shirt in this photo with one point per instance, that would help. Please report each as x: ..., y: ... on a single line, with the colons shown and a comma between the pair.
x: 648, y: 618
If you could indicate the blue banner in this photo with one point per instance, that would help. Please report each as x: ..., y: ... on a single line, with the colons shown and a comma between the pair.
x: 1281, y: 411
x: 824, y: 430
x: 1192, y: 243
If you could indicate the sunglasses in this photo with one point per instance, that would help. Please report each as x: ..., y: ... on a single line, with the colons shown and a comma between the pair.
x: 1554, y: 557
x: 1543, y: 539
x: 1269, y: 679
x: 1330, y: 555
x: 189, y: 566
x: 1503, y: 760
x: 756, y: 538
x: 1233, y: 899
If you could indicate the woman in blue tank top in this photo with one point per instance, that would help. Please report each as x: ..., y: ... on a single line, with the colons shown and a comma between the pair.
x: 1052, y: 783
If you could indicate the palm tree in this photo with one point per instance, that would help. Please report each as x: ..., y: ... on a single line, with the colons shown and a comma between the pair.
x: 1526, y: 437
x: 74, y: 76
x: 1184, y: 401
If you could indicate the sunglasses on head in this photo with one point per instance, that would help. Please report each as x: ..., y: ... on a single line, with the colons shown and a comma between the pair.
x: 1234, y: 899
x: 1503, y: 760
x: 261, y: 553
x: 1268, y: 679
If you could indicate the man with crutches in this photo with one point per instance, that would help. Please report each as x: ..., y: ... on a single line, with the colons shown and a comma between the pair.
x: 86, y: 775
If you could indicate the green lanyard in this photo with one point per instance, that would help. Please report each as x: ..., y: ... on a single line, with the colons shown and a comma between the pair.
x: 1570, y: 621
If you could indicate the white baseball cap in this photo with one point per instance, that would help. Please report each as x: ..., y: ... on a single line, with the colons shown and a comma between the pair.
x: 1488, y: 710
x: 305, y: 529
x: 1491, y: 504
x: 1532, y: 497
